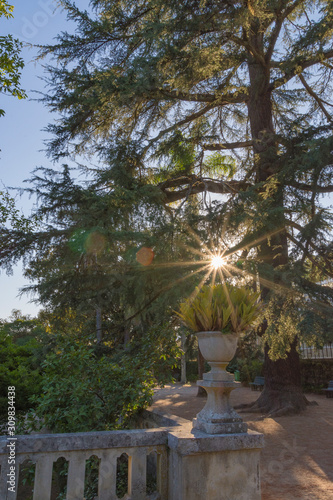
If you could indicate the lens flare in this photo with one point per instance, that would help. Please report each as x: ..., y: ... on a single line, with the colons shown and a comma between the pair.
x: 217, y: 262
x: 145, y: 256
x: 95, y: 243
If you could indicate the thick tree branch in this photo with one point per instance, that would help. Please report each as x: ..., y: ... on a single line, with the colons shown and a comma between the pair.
x: 298, y: 66
x: 281, y: 16
x: 196, y: 185
x: 316, y: 98
x: 184, y: 96
x: 246, y: 244
x: 307, y: 187
x: 273, y: 40
x: 230, y: 145
x: 220, y: 101
x: 216, y: 97
x: 259, y: 58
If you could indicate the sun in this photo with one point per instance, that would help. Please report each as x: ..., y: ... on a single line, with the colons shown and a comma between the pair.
x: 217, y: 261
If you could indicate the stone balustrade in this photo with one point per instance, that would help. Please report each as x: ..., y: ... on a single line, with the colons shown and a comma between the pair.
x: 185, y: 463
x: 108, y: 447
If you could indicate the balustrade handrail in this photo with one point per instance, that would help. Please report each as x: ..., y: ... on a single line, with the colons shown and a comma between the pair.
x: 78, y: 441
x: 45, y: 449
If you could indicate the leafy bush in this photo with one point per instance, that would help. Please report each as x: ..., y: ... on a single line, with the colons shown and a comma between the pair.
x: 18, y: 368
x: 157, y: 350
x: 249, y: 369
x: 222, y: 307
x: 83, y: 392
x: 249, y: 358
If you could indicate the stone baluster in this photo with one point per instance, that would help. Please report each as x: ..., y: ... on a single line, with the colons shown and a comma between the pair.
x: 137, y: 473
x: 3, y: 478
x: 107, y: 478
x: 75, y: 479
x: 162, y: 474
x: 5, y: 491
x: 43, y: 477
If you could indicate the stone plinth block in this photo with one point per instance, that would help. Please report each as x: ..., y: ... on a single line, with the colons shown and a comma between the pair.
x: 218, y: 416
x: 214, y: 467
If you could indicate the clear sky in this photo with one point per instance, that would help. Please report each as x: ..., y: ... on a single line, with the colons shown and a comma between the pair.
x: 21, y: 136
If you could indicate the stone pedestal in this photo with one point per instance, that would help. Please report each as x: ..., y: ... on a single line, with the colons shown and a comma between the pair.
x: 214, y: 467
x: 218, y: 459
x: 218, y: 416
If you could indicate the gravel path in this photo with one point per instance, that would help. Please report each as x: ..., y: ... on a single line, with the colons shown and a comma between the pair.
x: 297, y: 461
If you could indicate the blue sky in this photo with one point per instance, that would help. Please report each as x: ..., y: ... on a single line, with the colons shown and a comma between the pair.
x: 21, y: 136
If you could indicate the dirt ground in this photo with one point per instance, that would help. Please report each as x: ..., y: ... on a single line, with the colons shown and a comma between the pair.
x: 297, y: 461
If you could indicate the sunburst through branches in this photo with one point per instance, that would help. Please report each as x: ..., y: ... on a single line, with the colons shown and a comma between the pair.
x: 217, y: 263
x: 222, y: 263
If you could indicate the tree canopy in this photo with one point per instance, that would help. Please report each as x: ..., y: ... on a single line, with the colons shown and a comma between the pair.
x: 210, y: 115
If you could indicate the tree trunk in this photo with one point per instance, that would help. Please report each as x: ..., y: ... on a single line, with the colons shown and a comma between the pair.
x: 99, y: 334
x: 282, y: 393
x: 183, y: 359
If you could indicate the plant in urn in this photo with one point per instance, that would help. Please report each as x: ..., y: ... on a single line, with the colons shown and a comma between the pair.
x: 219, y: 314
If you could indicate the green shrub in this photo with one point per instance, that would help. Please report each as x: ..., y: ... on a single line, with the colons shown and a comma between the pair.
x: 18, y: 368
x: 82, y: 391
x: 249, y: 369
x: 157, y: 351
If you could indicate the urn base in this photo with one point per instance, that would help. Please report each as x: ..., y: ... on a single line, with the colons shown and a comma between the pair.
x: 218, y: 416
x: 219, y: 428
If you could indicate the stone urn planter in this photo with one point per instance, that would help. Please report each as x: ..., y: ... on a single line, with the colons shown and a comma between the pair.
x: 218, y: 416
x: 218, y: 349
x: 218, y: 314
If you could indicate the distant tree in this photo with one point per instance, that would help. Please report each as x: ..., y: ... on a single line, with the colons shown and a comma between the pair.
x: 91, y: 253
x: 160, y: 92
x: 11, y: 62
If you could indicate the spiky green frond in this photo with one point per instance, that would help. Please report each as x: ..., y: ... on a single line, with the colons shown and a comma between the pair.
x: 222, y: 308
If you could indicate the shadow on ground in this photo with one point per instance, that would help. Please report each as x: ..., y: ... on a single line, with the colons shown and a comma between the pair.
x: 297, y: 461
